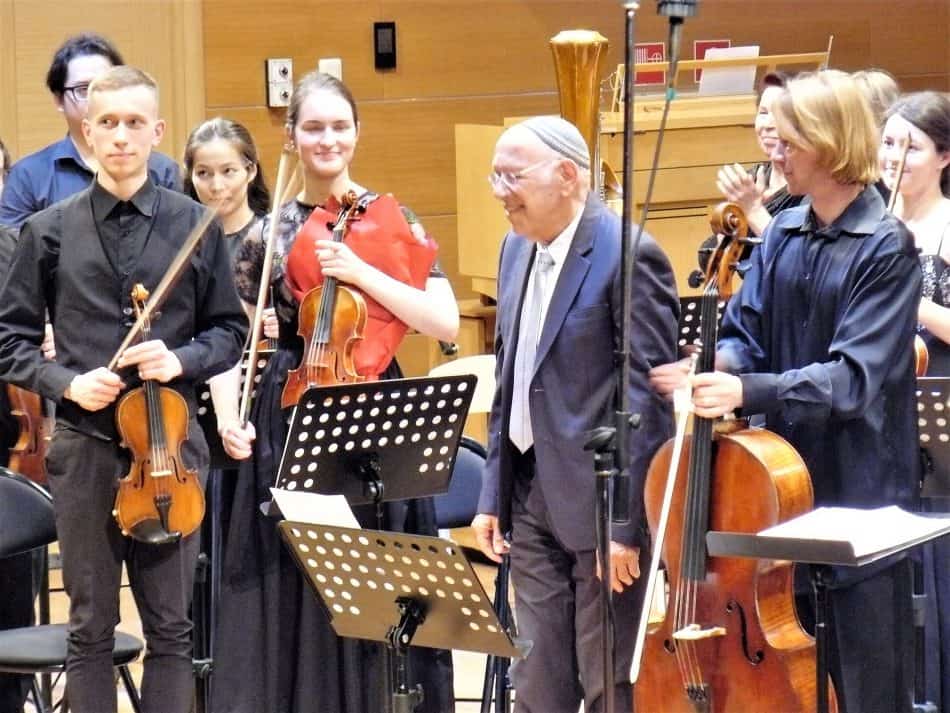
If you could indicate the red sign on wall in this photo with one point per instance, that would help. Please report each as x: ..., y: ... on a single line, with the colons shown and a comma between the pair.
x: 699, y: 52
x: 649, y: 52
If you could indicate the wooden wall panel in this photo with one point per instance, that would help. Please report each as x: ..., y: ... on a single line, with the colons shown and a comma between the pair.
x: 479, y: 61
x: 163, y: 37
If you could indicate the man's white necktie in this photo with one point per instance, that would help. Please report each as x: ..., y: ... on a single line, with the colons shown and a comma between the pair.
x: 519, y: 430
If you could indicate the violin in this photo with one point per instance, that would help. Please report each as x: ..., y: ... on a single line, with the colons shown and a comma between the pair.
x: 28, y: 454
x: 921, y: 357
x: 332, y: 318
x: 160, y: 500
x: 730, y: 641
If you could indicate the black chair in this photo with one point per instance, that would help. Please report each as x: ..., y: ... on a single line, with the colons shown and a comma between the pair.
x: 27, y: 523
x: 456, y: 507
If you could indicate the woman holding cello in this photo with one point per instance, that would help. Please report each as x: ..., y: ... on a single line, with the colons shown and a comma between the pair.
x: 819, y: 340
x: 277, y: 650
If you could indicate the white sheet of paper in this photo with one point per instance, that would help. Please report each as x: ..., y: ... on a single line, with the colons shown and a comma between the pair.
x: 314, y: 509
x: 868, y: 531
x: 729, y: 80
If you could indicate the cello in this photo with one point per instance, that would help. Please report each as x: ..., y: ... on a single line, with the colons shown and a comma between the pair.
x: 332, y: 318
x: 730, y: 641
x: 160, y: 500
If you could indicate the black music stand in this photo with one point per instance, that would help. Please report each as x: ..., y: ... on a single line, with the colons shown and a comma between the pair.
x: 689, y: 324
x: 399, y: 589
x: 376, y: 441
x: 933, y: 423
x: 823, y: 537
x: 933, y: 414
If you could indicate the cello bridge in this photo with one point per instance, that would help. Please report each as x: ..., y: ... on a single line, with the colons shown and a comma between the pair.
x: 694, y: 632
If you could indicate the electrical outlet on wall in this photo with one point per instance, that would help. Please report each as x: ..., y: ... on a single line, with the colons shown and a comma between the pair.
x: 280, y: 81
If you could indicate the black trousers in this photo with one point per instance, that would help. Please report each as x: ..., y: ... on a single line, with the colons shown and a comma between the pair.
x: 558, y: 608
x: 84, y: 474
x: 870, y: 648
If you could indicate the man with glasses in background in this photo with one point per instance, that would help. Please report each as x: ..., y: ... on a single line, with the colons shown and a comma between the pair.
x: 559, y: 316
x: 68, y: 166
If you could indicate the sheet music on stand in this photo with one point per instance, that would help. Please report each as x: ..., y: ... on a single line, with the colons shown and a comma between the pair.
x: 209, y: 422
x: 402, y: 434
x: 933, y: 423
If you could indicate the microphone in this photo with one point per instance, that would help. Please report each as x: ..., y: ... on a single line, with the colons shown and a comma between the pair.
x: 677, y: 11
x: 677, y: 8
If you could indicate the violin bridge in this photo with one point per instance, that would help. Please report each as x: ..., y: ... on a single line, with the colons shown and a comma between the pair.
x: 164, y: 473
x: 694, y: 632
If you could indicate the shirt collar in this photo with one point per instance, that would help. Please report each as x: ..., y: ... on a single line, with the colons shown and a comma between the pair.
x: 65, y: 150
x: 558, y: 247
x: 861, y: 217
x: 103, y: 202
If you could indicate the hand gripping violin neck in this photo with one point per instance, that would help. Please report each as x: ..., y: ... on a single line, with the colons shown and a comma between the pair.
x: 160, y: 500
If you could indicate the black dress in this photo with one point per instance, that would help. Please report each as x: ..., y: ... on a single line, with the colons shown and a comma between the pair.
x: 275, y: 649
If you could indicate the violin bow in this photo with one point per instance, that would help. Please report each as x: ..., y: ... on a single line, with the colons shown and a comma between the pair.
x: 285, y: 182
x: 892, y: 202
x: 682, y: 405
x: 168, y: 281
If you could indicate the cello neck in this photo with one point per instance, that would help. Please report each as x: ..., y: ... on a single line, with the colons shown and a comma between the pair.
x: 700, y: 462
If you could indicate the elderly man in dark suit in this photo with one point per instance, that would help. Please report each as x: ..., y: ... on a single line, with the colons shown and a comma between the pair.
x: 558, y: 328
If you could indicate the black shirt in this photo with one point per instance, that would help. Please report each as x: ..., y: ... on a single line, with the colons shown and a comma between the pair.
x: 123, y: 225
x: 61, y: 264
x: 821, y: 333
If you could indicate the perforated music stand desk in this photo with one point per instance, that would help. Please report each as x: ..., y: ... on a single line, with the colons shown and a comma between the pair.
x: 933, y: 423
x: 690, y: 322
x: 376, y: 441
x: 209, y: 422
x: 824, y: 551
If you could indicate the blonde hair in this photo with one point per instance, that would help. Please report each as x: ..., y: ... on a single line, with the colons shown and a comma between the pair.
x: 827, y: 112
x: 123, y: 77
x: 880, y: 89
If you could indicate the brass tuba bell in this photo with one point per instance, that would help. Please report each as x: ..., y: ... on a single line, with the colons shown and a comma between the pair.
x: 578, y: 60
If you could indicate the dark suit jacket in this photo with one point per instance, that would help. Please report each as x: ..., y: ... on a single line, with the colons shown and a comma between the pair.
x: 574, y: 386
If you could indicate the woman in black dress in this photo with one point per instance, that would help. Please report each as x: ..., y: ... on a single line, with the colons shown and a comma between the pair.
x: 276, y: 649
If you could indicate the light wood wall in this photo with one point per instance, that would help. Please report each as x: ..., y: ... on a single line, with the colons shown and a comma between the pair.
x: 460, y: 61
x: 478, y: 61
x: 163, y: 37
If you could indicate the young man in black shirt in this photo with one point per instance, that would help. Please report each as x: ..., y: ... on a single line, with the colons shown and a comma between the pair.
x: 819, y: 339
x: 79, y: 259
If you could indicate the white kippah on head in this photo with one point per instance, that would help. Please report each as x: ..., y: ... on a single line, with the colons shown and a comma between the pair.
x: 560, y: 136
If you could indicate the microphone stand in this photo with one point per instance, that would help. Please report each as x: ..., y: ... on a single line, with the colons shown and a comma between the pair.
x: 611, y: 444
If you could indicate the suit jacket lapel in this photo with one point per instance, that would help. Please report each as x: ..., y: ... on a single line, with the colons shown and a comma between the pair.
x: 576, y: 266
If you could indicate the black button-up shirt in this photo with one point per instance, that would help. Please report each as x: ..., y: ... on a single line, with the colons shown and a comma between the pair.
x: 61, y: 264
x: 821, y: 333
x: 123, y: 225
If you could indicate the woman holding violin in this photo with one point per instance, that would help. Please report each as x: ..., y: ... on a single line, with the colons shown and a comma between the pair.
x: 819, y: 340
x: 277, y: 650
x: 919, y: 124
